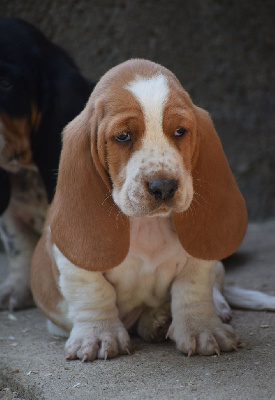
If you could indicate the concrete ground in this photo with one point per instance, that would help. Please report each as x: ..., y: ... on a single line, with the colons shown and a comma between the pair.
x: 32, y: 364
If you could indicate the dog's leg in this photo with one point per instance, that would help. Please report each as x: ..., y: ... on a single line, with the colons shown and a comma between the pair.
x: 97, y: 331
x: 154, y: 322
x: 20, y: 228
x: 195, y: 327
x: 19, y: 241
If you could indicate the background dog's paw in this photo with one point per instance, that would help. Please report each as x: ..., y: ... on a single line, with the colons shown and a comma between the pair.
x: 204, y: 336
x: 100, y: 339
x: 154, y: 323
x: 15, y: 294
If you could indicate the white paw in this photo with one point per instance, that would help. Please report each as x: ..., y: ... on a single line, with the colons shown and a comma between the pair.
x: 223, y: 309
x: 154, y: 323
x: 15, y: 293
x: 204, y: 335
x: 99, y: 339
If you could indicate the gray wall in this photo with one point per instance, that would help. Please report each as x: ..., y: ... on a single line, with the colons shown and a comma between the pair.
x: 223, y: 52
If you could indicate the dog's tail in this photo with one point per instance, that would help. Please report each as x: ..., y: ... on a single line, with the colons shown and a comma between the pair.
x: 248, y: 299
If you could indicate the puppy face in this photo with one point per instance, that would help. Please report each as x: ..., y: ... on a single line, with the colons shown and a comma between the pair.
x: 19, y: 92
x: 142, y: 144
x: 149, y: 130
x: 17, y: 119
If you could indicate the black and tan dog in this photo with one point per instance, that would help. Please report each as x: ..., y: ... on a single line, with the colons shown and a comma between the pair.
x: 41, y: 90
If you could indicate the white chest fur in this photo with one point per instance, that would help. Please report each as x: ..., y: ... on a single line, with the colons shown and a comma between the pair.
x: 155, y: 258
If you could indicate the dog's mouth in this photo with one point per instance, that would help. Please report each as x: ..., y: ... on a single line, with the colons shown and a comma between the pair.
x: 158, y: 197
x: 12, y: 166
x: 15, y: 162
x: 162, y: 211
x: 165, y: 209
x: 154, y: 208
x: 15, y: 152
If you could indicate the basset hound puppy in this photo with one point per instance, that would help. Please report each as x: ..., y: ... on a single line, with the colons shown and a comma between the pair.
x: 41, y: 90
x: 144, y: 207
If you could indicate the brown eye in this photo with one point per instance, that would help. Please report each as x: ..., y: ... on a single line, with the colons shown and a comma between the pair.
x: 180, y: 132
x: 123, y: 137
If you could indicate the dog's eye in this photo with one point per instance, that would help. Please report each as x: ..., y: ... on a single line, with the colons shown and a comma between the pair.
x: 123, y: 137
x: 5, y: 83
x: 180, y: 132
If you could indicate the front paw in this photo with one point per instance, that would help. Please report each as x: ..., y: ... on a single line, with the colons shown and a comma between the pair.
x: 15, y: 293
x: 203, y: 335
x: 99, y: 339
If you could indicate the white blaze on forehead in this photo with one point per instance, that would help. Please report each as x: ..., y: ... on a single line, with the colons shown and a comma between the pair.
x: 152, y: 94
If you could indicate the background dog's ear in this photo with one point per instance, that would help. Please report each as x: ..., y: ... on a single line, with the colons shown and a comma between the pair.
x: 215, y: 223
x: 86, y: 225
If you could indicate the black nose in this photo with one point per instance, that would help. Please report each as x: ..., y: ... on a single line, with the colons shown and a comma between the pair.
x: 162, y: 189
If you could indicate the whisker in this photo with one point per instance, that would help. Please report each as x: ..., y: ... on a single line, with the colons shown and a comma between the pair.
x: 109, y: 194
x: 202, y: 185
x: 111, y: 209
x: 55, y: 172
x: 202, y: 188
x: 191, y: 209
x: 206, y: 202
x: 117, y: 216
x: 199, y: 204
x: 203, y: 181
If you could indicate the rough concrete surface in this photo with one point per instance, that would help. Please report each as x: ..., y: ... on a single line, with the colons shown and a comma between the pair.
x: 222, y: 51
x: 32, y: 363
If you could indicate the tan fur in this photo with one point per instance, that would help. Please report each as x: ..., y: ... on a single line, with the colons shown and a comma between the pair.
x: 216, y: 222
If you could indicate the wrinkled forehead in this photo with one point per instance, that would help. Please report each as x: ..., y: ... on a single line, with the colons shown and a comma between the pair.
x: 149, y: 87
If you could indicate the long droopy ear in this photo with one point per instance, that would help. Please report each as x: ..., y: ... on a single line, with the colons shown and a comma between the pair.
x: 215, y: 223
x: 86, y: 225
